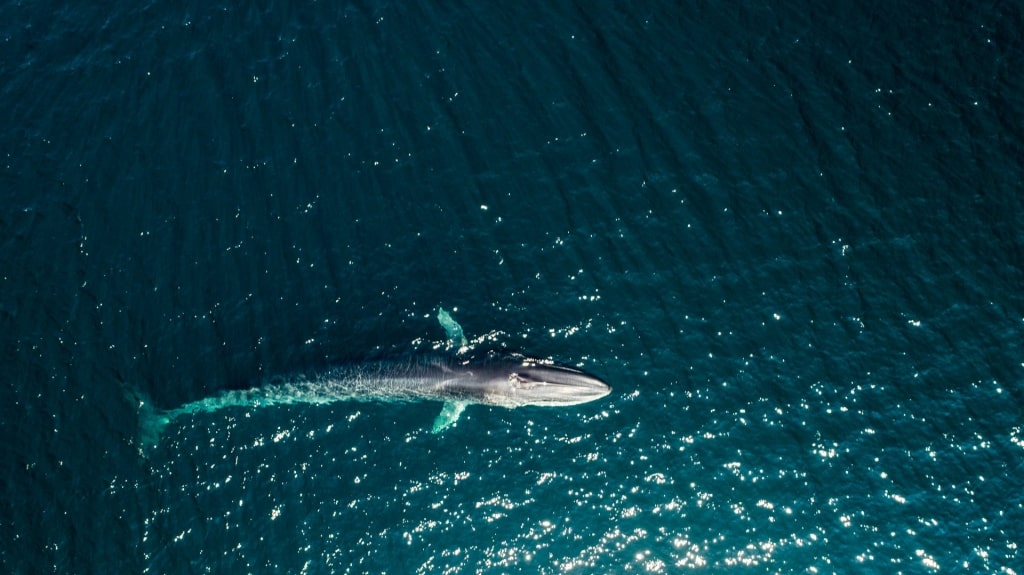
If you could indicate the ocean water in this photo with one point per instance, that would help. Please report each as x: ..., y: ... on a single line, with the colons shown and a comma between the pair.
x: 789, y: 234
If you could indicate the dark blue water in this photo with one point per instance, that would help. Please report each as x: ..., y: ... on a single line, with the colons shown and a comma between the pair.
x: 788, y: 234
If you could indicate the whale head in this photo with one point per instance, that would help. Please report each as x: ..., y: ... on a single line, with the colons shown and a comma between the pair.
x: 540, y: 384
x: 514, y: 381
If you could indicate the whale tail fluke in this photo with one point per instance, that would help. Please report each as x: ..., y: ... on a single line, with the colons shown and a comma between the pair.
x: 151, y: 420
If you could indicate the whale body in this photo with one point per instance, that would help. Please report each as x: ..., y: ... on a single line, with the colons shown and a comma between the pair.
x: 505, y: 380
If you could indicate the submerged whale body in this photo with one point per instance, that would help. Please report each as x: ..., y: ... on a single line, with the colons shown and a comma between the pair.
x: 493, y: 379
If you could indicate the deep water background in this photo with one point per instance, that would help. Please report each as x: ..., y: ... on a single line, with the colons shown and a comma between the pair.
x: 789, y: 234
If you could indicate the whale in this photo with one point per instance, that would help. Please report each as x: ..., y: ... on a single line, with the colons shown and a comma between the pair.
x: 495, y: 378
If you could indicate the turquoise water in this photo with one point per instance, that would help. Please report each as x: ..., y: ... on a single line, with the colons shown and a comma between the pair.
x: 788, y: 235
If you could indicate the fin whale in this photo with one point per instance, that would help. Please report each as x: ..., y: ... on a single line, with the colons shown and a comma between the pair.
x: 499, y: 379
x: 502, y: 380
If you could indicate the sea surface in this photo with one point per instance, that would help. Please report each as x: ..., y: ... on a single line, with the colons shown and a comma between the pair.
x: 789, y: 234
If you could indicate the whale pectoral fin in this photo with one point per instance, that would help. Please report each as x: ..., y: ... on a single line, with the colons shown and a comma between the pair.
x: 449, y: 415
x: 456, y: 338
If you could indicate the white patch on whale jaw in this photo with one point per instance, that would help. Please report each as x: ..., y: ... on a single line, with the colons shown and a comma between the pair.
x: 519, y: 382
